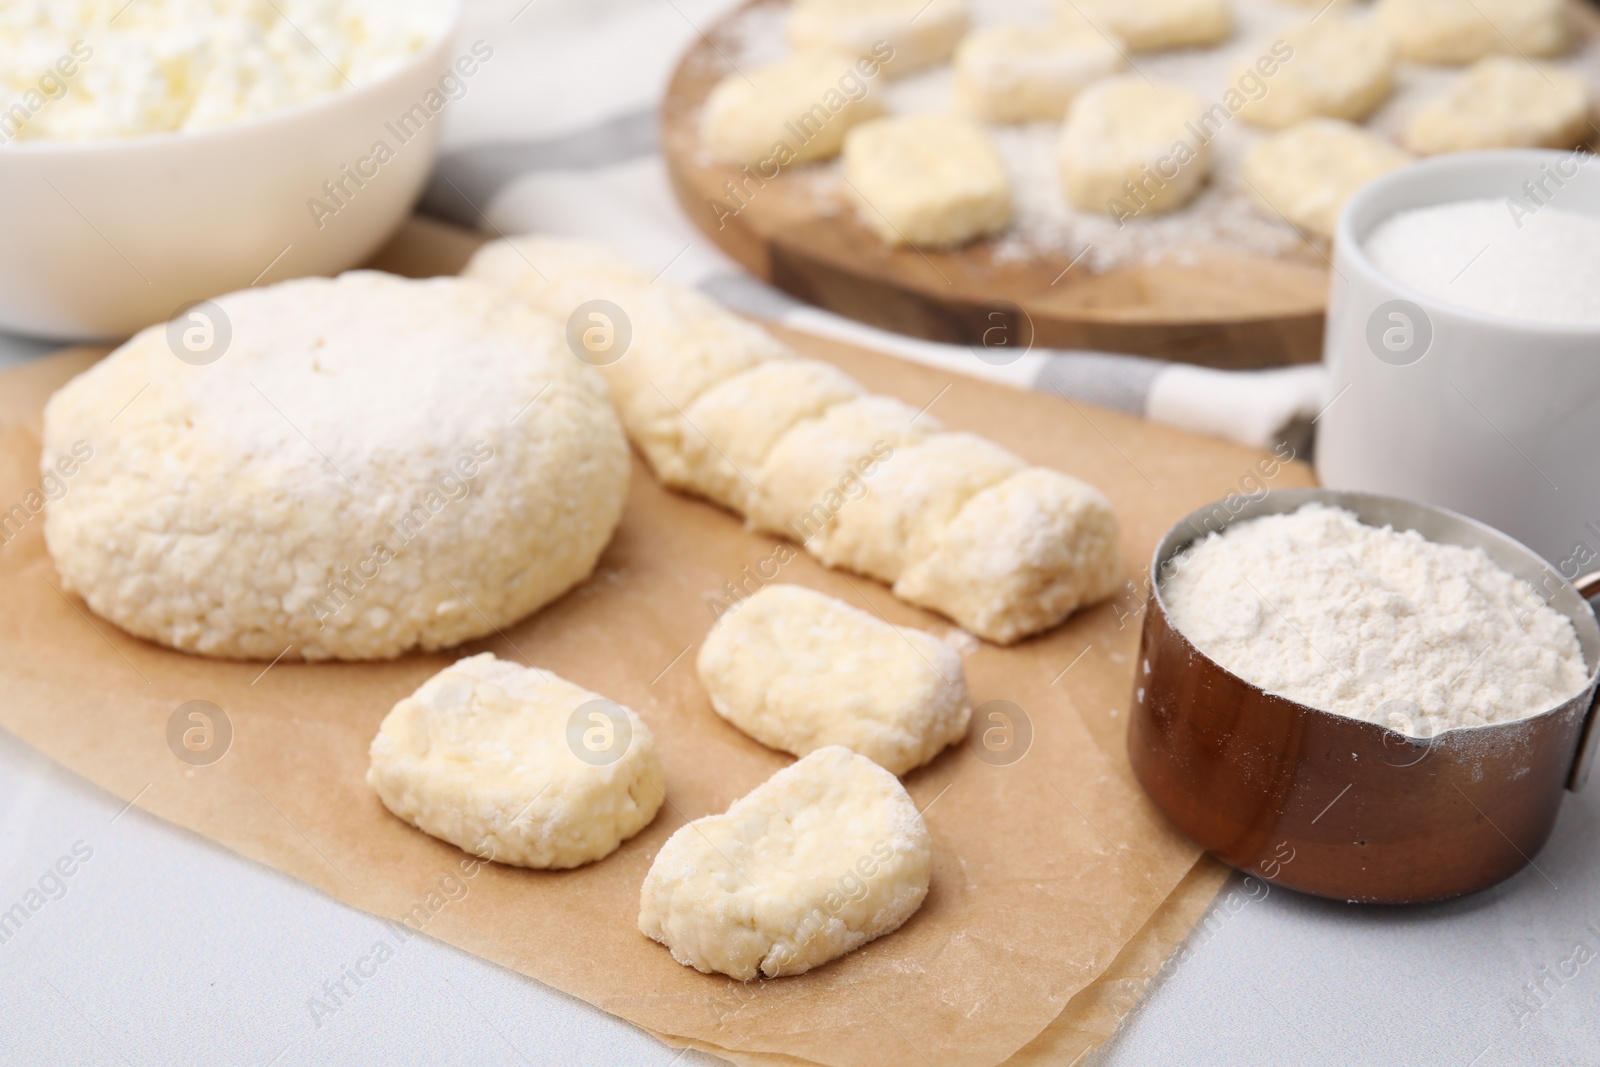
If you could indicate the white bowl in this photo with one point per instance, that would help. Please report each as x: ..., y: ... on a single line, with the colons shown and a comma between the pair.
x: 100, y: 239
x: 1489, y: 416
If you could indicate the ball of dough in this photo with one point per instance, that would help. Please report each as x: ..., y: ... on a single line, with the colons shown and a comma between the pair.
x: 1502, y: 102
x: 902, y: 35
x: 1019, y: 557
x: 1461, y: 31
x: 1130, y: 148
x: 1307, y: 172
x: 793, y: 111
x: 734, y: 424
x: 1026, y: 74
x: 517, y: 765
x: 371, y: 465
x: 930, y: 180
x: 798, y: 671
x: 1153, y: 25
x: 1340, y: 68
x: 821, y: 858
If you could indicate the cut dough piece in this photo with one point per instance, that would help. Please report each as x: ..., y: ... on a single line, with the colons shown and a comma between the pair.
x: 1462, y: 31
x: 1026, y: 74
x: 485, y: 755
x: 910, y: 501
x: 733, y: 425
x: 804, y: 104
x: 1340, y: 68
x: 799, y: 671
x: 348, y: 480
x: 1503, y: 102
x: 1154, y: 25
x: 821, y: 466
x: 1019, y: 557
x: 930, y: 180
x: 1307, y: 172
x: 682, y: 343
x: 1130, y: 147
x: 903, y: 35
x: 821, y: 858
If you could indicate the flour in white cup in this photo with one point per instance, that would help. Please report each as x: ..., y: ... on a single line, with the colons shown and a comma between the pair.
x: 1373, y: 623
x: 1497, y: 256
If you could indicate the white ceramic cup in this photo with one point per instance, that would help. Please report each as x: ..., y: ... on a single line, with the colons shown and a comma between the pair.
x: 99, y: 239
x: 1493, y: 417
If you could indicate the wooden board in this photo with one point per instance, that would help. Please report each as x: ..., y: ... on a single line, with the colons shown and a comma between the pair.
x: 1226, y: 311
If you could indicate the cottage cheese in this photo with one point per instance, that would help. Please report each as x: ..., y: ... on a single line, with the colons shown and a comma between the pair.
x: 77, y: 70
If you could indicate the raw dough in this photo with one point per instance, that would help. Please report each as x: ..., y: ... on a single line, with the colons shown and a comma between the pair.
x: 821, y: 466
x: 1028, y: 74
x: 932, y: 180
x: 1019, y: 557
x: 1154, y: 25
x: 805, y: 104
x: 798, y: 671
x: 682, y: 342
x: 1129, y: 148
x: 910, y: 502
x: 1461, y: 31
x: 485, y: 755
x: 359, y: 472
x: 903, y: 35
x: 1307, y: 172
x: 865, y: 482
x: 734, y: 424
x: 1504, y: 102
x: 1341, y: 68
x: 821, y: 858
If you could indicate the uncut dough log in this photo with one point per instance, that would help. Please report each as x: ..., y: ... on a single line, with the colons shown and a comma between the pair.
x: 348, y: 478
x: 862, y: 482
x: 798, y: 671
x: 903, y: 35
x: 486, y: 755
x: 796, y: 110
x: 932, y: 180
x: 815, y: 862
x: 1340, y: 68
x: 1461, y: 31
x: 1155, y: 25
x: 1129, y: 147
x: 1503, y: 102
x: 1027, y: 74
x: 1307, y: 172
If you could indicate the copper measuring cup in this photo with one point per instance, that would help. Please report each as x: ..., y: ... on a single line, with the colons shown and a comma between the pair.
x: 1335, y: 806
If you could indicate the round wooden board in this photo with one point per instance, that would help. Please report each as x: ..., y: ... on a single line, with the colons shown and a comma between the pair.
x: 1225, y: 311
x: 1233, y: 311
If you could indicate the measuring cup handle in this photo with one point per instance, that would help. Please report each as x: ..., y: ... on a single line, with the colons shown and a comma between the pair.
x: 1588, y: 586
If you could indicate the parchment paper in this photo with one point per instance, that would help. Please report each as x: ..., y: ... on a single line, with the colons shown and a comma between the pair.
x: 1045, y: 870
